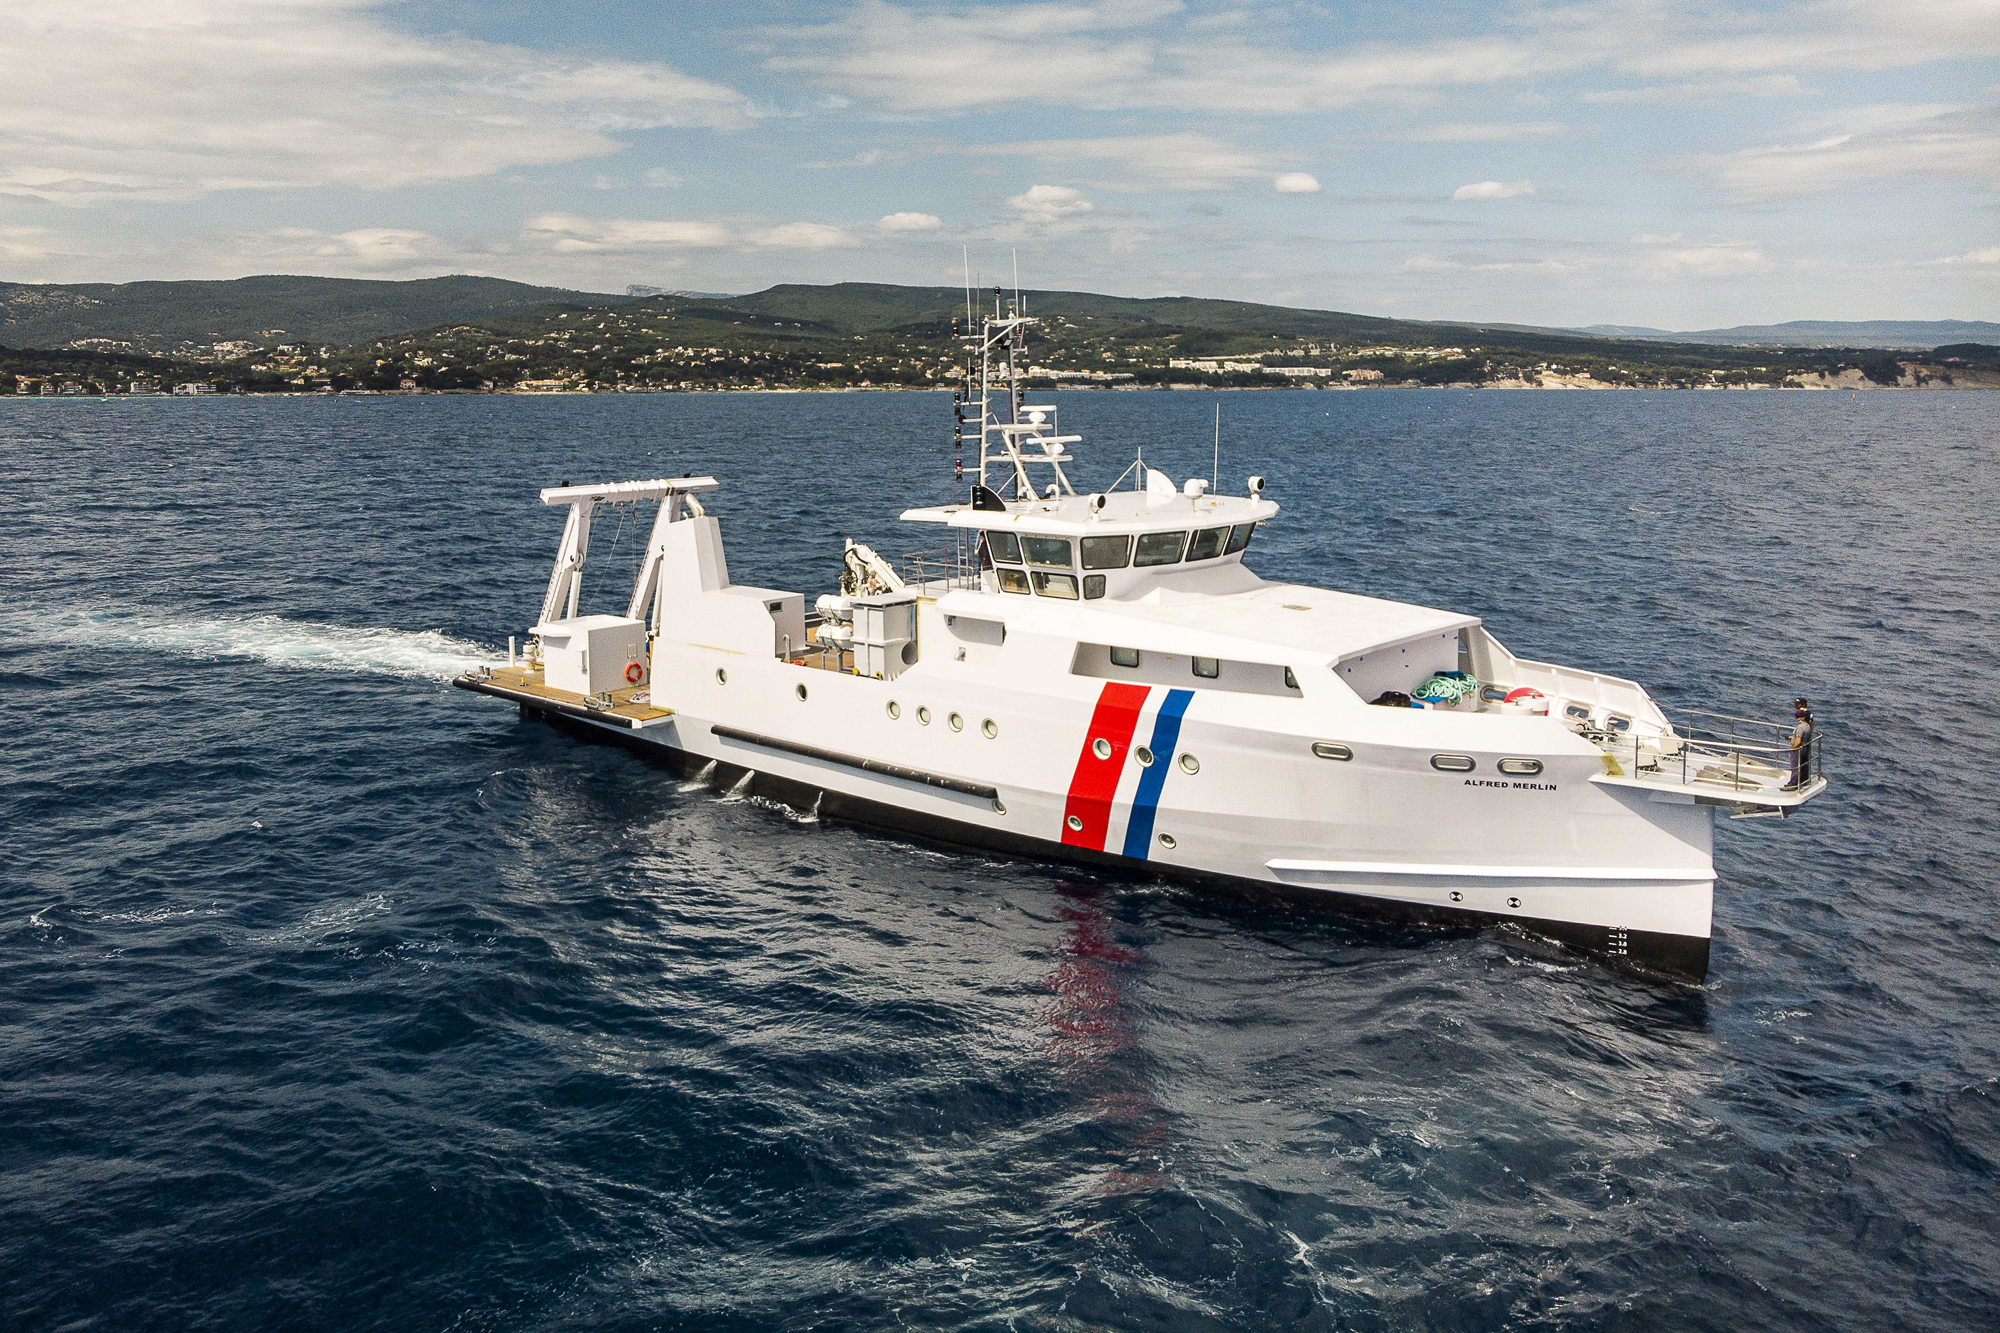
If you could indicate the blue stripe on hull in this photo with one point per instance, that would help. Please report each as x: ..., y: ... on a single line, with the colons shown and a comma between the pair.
x: 1166, y: 735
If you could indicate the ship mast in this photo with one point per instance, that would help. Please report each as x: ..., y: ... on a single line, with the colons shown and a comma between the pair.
x: 993, y: 415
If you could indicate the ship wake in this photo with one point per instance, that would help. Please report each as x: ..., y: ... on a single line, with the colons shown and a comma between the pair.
x: 273, y: 640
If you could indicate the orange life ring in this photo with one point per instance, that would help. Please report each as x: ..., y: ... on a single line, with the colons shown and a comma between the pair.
x: 633, y: 671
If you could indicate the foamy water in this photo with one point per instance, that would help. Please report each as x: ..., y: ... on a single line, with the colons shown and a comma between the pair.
x: 274, y: 640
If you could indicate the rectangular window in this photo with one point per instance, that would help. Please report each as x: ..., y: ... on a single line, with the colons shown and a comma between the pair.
x: 1012, y: 580
x: 1056, y: 585
x: 1107, y: 552
x: 1239, y: 537
x: 1006, y: 547
x: 1048, y: 552
x: 1160, y: 548
x: 1208, y: 668
x: 1207, y: 543
x: 1125, y: 657
x: 1093, y: 586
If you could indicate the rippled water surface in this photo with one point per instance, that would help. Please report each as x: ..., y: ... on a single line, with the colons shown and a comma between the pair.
x: 333, y: 997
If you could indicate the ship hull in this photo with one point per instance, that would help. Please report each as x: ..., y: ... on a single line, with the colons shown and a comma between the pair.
x: 1425, y: 896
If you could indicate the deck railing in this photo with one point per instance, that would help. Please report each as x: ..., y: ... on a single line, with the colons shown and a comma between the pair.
x: 1719, y: 750
x: 941, y: 569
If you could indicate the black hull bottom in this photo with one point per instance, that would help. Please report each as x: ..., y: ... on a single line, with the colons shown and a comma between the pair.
x: 1675, y: 957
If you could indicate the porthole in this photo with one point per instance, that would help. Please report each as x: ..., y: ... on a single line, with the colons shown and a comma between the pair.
x: 1513, y: 902
x: 1075, y: 824
x: 923, y: 716
x: 999, y: 806
x: 895, y: 710
x: 1125, y: 657
x: 1144, y: 756
x: 1167, y: 841
x: 1332, y: 750
x: 1453, y: 763
x: 1101, y: 748
x: 721, y: 676
x: 1208, y: 668
x: 955, y: 722
x: 1190, y: 764
x: 1457, y: 897
x: 989, y: 728
x: 1521, y: 768
x: 800, y: 690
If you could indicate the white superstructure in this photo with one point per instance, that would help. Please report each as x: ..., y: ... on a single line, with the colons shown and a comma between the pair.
x: 1100, y: 676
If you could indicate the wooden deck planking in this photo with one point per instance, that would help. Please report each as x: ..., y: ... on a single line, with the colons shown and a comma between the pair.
x: 529, y: 681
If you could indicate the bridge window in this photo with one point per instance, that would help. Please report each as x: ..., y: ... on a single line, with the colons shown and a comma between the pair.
x: 1093, y: 586
x: 1055, y: 585
x: 1160, y: 548
x: 1207, y: 543
x: 1005, y: 546
x: 1107, y: 552
x: 1049, y: 552
x: 1012, y: 580
x: 1239, y: 537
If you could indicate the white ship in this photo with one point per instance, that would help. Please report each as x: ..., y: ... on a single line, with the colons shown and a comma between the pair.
x: 1101, y: 677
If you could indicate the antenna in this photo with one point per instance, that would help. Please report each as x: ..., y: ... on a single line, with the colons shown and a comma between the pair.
x: 967, y: 250
x: 1215, y: 478
x: 1017, y: 283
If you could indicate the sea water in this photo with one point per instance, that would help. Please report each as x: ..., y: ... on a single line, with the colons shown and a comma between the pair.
x: 333, y: 997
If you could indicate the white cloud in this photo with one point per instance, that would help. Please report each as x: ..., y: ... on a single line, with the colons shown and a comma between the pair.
x: 1296, y: 182
x: 1494, y: 190
x: 1046, y: 204
x: 1989, y: 255
x: 393, y: 246
x: 896, y: 222
x: 1884, y: 143
x: 571, y: 234
x: 907, y: 60
x: 1514, y: 131
x: 800, y: 236
x: 1668, y: 260
x: 1429, y: 263
x: 1726, y: 259
x: 659, y: 178
x: 135, y: 99
x: 567, y: 233
x: 1765, y: 85
x: 29, y: 244
x: 1121, y: 54
x: 1184, y: 161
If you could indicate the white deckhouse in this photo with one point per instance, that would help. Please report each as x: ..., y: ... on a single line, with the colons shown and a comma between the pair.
x: 1100, y: 677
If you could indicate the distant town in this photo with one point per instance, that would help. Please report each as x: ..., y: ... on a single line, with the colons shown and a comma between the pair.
x: 856, y: 336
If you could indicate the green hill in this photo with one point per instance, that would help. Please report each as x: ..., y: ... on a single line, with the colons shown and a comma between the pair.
x: 180, y: 316
x: 847, y: 308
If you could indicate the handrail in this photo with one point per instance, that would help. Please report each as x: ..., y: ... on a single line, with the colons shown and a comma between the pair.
x: 1719, y: 758
x: 951, y: 566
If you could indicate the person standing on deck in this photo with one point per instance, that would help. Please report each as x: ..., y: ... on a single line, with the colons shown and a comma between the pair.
x: 1802, y: 744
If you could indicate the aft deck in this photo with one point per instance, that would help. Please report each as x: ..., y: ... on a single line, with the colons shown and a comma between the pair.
x: 632, y: 707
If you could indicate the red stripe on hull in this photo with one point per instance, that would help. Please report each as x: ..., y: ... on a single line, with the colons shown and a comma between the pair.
x: 1096, y: 781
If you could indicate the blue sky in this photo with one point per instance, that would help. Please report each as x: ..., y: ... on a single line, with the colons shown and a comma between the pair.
x: 1681, y: 165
